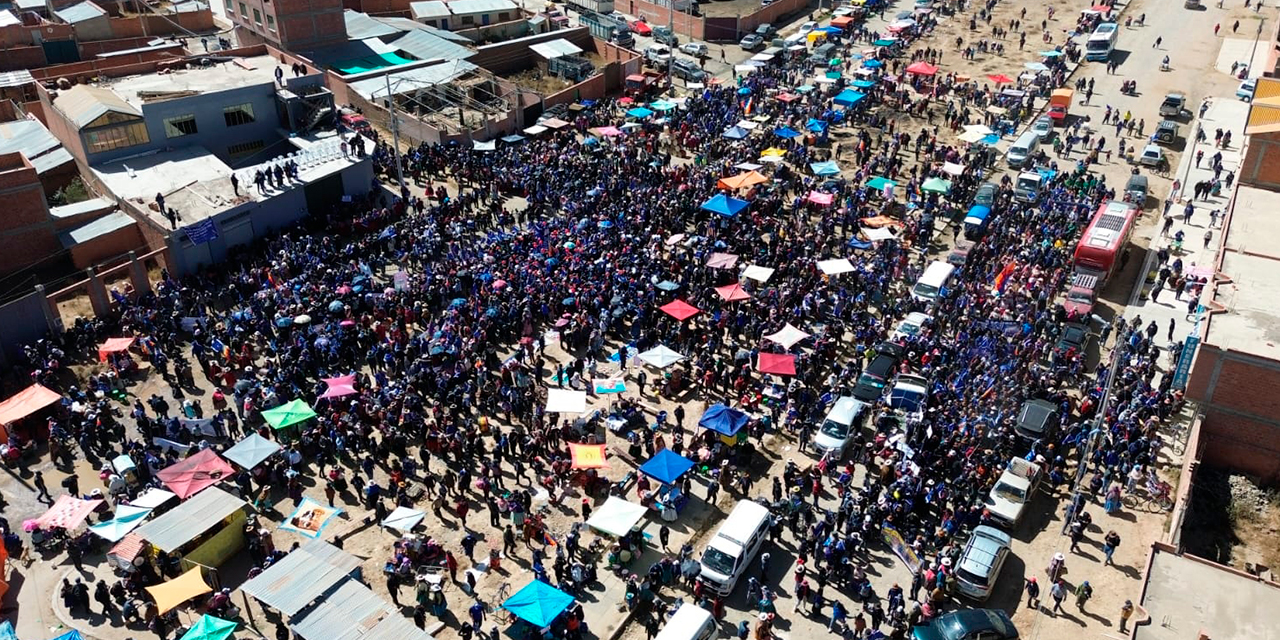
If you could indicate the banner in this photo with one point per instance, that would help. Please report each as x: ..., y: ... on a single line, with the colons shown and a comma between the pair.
x: 202, y: 232
x: 587, y: 456
x: 203, y: 427
x: 900, y: 548
x: 170, y: 444
x: 610, y: 385
x: 310, y: 518
x: 401, y: 280
x: 189, y: 323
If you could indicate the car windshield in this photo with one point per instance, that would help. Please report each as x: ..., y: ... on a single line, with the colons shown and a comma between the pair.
x: 1027, y: 184
x: 718, y: 561
x: 1073, y: 336
x: 871, y: 381
x: 1079, y: 296
x: 1010, y: 493
x: 971, y: 577
x: 835, y: 429
x: 926, y: 290
x: 909, y: 328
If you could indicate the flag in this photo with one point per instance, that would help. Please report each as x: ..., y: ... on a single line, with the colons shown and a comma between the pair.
x: 747, y: 109
x: 1002, y: 278
x: 202, y: 232
x: 271, y: 279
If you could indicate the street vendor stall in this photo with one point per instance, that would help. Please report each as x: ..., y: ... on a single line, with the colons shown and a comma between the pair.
x: 171, y: 594
x: 207, y: 529
x: 251, y: 451
x: 726, y: 421
x: 667, y: 466
x: 19, y: 406
x: 187, y: 477
x: 538, y: 604
x: 617, y: 517
x: 115, y: 352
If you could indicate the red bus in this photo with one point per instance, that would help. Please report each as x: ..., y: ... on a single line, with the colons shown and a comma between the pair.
x: 1105, y: 237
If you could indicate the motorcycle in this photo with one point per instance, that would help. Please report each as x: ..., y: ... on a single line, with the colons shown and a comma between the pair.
x: 1129, y: 87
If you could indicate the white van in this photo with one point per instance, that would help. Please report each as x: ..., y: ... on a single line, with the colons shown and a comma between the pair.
x: 1022, y: 148
x: 689, y: 622
x: 841, y: 423
x: 735, y: 544
x: 930, y: 285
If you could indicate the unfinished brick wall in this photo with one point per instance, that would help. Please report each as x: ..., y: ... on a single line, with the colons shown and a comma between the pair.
x: 1241, y: 410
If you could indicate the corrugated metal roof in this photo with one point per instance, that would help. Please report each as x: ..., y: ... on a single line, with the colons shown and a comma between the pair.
x: 407, y: 25
x: 429, y: 10
x: 198, y: 514
x: 302, y: 576
x: 80, y: 208
x: 100, y: 227
x: 555, y: 48
x: 353, y: 612
x: 84, y: 104
x: 408, y: 81
x: 427, y: 46
x: 29, y: 5
x: 1262, y: 115
x: 7, y: 19
x: 399, y: 24
x: 51, y: 160
x: 462, y: 7
x: 33, y: 140
x: 1266, y: 88
x: 361, y: 26
x: 16, y: 78
x: 80, y: 12
x: 191, y: 6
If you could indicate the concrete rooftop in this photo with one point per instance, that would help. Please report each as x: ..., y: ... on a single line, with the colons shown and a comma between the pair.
x: 1250, y: 258
x: 1188, y: 596
x: 234, y: 74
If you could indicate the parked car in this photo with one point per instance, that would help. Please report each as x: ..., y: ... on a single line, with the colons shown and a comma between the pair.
x: 640, y: 27
x: 687, y: 70
x: 970, y: 624
x: 980, y: 562
x: 872, y: 382
x: 909, y: 395
x: 1043, y: 127
x: 1013, y: 491
x: 1081, y: 295
x: 1037, y: 419
x: 766, y: 31
x: 664, y: 35
x: 751, y: 42
x: 1174, y: 106
x: 1245, y: 90
x: 1073, y: 338
x: 1152, y: 156
x: 911, y: 325
x: 695, y: 49
x: 845, y: 418
x: 807, y: 28
x: 986, y: 194
x: 658, y: 54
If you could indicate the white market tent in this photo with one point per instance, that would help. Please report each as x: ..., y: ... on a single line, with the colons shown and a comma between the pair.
x: 787, y: 336
x: 757, y: 273
x: 661, y: 356
x: 835, y: 267
x: 403, y: 519
x: 251, y: 451
x: 616, y: 517
x: 152, y: 498
x: 566, y: 401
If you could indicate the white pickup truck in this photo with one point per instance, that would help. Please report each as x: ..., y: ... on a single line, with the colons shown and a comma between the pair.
x: 1009, y: 498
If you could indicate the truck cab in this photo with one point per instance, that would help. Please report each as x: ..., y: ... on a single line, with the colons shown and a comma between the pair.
x: 1174, y: 105
x: 1013, y: 490
x: 1027, y: 187
x: 1081, y: 295
x: 1060, y: 104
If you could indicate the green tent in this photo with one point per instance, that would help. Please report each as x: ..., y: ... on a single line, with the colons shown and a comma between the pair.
x: 879, y: 182
x: 210, y: 628
x: 936, y: 185
x: 288, y: 414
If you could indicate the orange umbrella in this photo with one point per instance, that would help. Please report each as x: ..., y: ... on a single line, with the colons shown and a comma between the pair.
x: 744, y: 180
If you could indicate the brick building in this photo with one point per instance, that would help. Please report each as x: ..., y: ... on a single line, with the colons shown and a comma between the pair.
x: 296, y: 26
x: 26, y: 229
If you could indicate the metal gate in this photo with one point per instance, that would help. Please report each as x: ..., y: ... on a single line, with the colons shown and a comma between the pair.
x: 60, y: 51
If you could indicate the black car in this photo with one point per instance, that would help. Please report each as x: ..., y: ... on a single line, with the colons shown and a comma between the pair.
x: 873, y: 380
x: 1038, y: 419
x: 766, y: 31
x: 986, y: 194
x: 971, y: 624
x: 1074, y: 338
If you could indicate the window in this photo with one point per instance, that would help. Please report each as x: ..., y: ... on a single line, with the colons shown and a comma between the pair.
x: 245, y: 148
x: 179, y: 126
x: 244, y: 10
x: 117, y: 137
x: 503, y: 17
x: 257, y: 17
x: 238, y: 114
x: 468, y: 19
x: 231, y: 7
x: 271, y: 22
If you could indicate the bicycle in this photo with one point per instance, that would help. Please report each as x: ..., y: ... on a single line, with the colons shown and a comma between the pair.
x: 504, y: 592
x: 1159, y: 495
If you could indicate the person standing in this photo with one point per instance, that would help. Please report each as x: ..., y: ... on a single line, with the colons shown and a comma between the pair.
x: 1126, y: 611
x: 664, y: 535
x: 1058, y: 593
x: 1083, y: 593
x: 1033, y: 593
x: 1109, y: 545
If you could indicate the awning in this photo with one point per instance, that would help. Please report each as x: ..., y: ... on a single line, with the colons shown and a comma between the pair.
x: 952, y: 168
x: 179, y: 590
x: 822, y: 198
x: 936, y: 185
x: 720, y: 260
x: 787, y: 336
x: 679, y: 309
x: 848, y: 98
x: 836, y: 266
x: 661, y: 356
x: 251, y: 451
x: 403, y: 519
x: 781, y: 364
x: 666, y: 466
x: 26, y: 402
x: 288, y: 414
x: 566, y: 401
x: 824, y: 169
x: 743, y: 180
x: 724, y: 205
x: 113, y: 345
x: 67, y: 513
x: 786, y: 132
x: 723, y: 420
x: 616, y: 517
x: 922, y: 68
x: 210, y: 628
x: 339, y: 386
x: 186, y: 478
x: 128, y: 517
x: 538, y: 603
x: 757, y: 273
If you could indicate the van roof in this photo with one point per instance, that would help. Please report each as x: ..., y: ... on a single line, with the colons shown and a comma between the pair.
x: 745, y: 518
x: 688, y: 619
x: 937, y: 270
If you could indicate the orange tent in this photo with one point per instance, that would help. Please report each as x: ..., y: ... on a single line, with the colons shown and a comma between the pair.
x: 179, y: 590
x: 743, y: 180
x: 842, y: 22
x: 113, y: 345
x: 23, y: 404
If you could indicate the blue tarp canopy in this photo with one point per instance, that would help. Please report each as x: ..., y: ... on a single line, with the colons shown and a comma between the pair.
x: 864, y: 84
x: 977, y: 214
x: 828, y: 168
x: 835, y: 31
x: 538, y: 603
x: 815, y: 125
x: 640, y: 112
x: 70, y: 635
x: 786, y: 132
x: 724, y: 205
x: 666, y: 466
x: 6, y: 631
x: 735, y: 133
x: 723, y: 420
x: 873, y: 64
x: 855, y: 243
x: 848, y: 98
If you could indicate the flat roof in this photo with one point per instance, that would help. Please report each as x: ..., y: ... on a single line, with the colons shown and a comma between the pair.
x: 302, y: 576
x: 102, y: 226
x: 555, y: 48
x: 7, y: 18
x: 16, y: 78
x: 234, y: 74
x: 1250, y: 258
x: 429, y: 9
x: 80, y: 208
x: 80, y: 12
x: 353, y: 611
x: 1186, y: 596
x: 182, y: 524
x: 462, y: 7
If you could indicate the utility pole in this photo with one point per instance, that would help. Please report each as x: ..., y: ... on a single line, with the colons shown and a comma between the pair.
x: 1254, y: 52
x: 395, y: 131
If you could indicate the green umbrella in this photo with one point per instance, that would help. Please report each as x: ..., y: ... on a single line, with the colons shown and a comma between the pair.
x: 936, y: 185
x: 210, y: 628
x: 878, y: 183
x: 288, y: 414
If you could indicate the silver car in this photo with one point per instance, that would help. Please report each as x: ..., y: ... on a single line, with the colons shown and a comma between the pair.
x: 1043, y: 127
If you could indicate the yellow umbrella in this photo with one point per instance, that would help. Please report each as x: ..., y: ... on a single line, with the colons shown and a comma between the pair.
x: 773, y: 151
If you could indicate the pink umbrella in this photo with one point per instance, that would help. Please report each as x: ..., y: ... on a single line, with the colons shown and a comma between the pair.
x: 340, y: 386
x: 347, y: 323
x: 679, y: 309
x: 344, y: 290
x: 782, y: 364
x: 733, y: 292
x: 499, y: 284
x: 818, y: 197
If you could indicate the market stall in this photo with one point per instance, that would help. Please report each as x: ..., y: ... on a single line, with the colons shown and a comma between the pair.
x: 667, y: 466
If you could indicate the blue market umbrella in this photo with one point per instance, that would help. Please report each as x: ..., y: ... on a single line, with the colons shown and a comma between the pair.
x: 863, y: 84
x: 723, y: 420
x: 570, y: 245
x: 667, y: 285
x: 824, y: 169
x: 744, y: 91
x: 735, y: 133
x: 538, y: 603
x: 284, y: 322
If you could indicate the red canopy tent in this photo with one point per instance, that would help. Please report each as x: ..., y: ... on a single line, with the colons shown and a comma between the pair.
x: 188, y: 477
x: 1000, y: 78
x: 782, y: 364
x: 922, y: 68
x: 113, y: 345
x: 679, y: 309
x: 733, y: 292
x: 23, y: 404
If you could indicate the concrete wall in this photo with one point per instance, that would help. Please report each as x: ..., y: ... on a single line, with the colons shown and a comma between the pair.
x: 28, y: 57
x: 154, y: 25
x: 498, y: 31
x: 26, y: 230
x: 94, y: 29
x: 725, y: 29
x: 21, y: 34
x: 514, y: 55
x: 22, y: 322
x: 1241, y: 409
